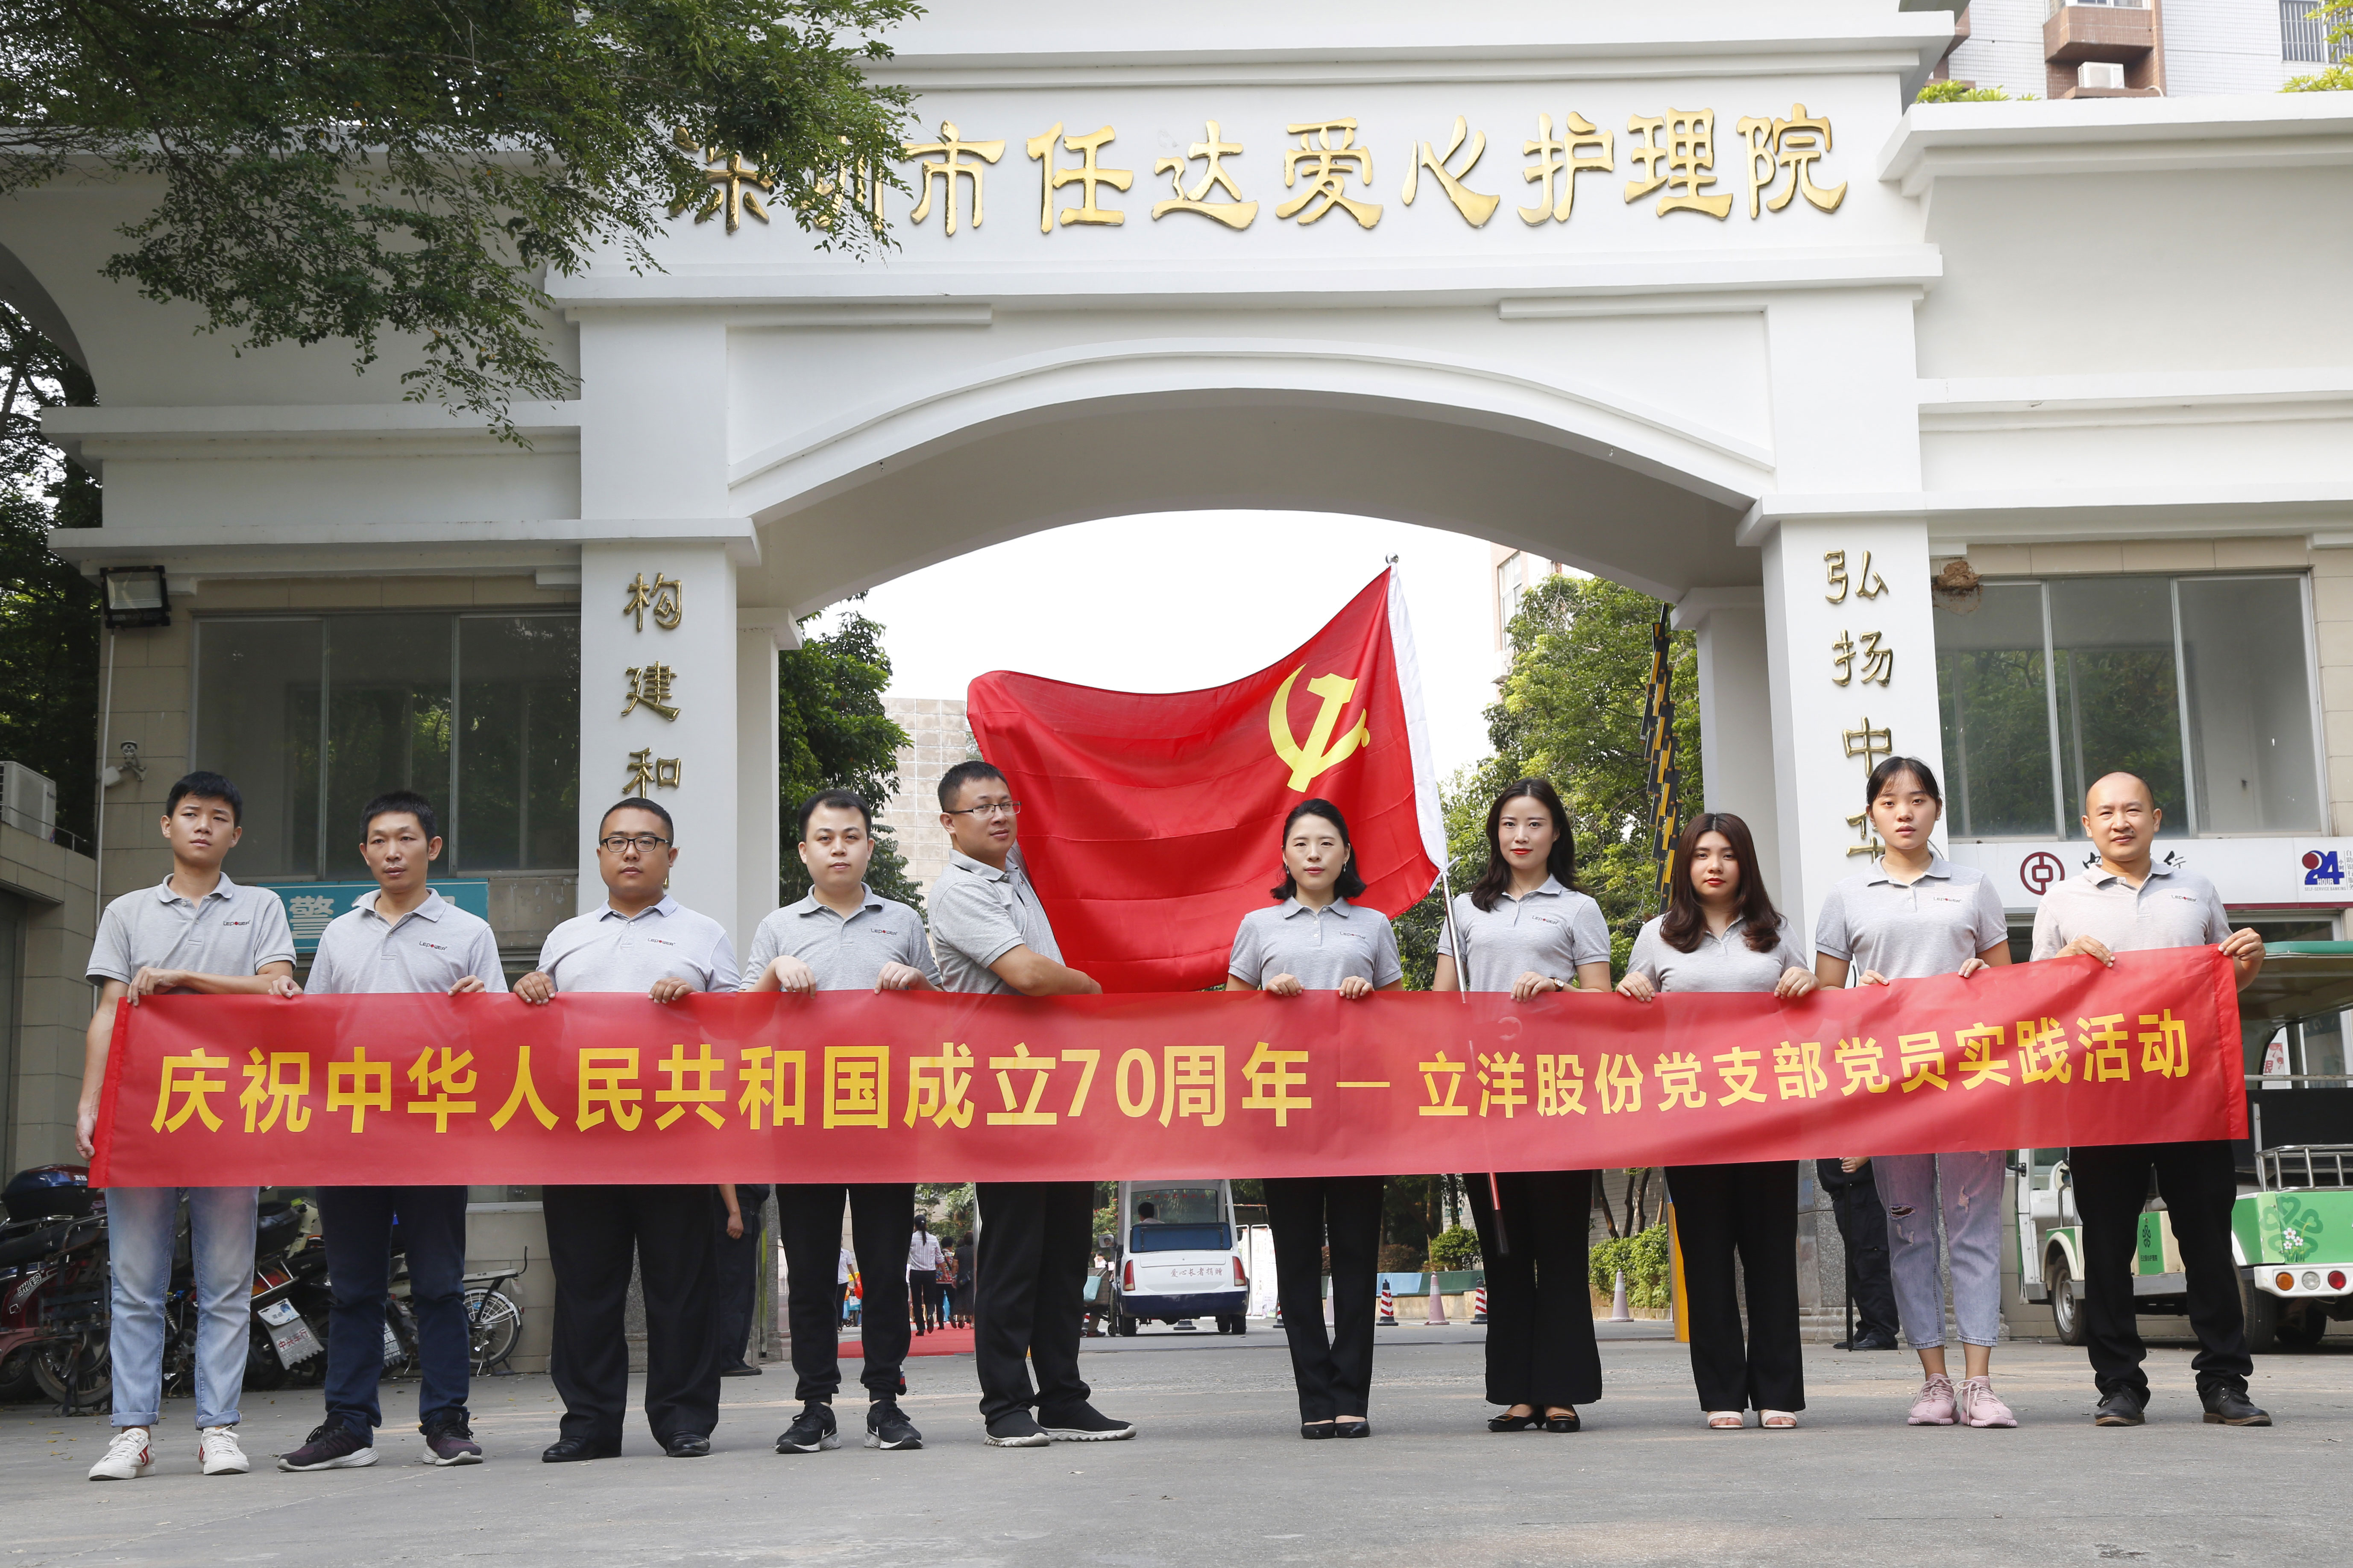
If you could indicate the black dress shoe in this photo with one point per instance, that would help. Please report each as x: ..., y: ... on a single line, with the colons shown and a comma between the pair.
x: 2230, y: 1407
x: 1512, y: 1423
x: 741, y: 1369
x: 1876, y: 1342
x: 686, y: 1445
x: 1572, y: 1422
x: 567, y: 1450
x: 2122, y: 1408
x: 1314, y: 1429
x: 1352, y: 1428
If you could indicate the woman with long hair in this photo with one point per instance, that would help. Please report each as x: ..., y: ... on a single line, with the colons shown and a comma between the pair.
x: 1314, y: 939
x: 1720, y: 932
x: 1524, y: 928
x: 1914, y: 914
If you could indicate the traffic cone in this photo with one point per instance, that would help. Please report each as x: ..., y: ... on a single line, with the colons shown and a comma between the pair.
x: 1388, y: 1306
x: 1479, y: 1305
x: 1618, y: 1312
x: 1277, y: 1313
x: 1437, y: 1317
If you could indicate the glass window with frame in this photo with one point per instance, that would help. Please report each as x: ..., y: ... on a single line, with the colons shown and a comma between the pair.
x: 312, y: 716
x: 2201, y: 685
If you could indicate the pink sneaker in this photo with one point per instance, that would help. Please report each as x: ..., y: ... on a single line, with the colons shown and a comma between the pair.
x: 1934, y: 1408
x: 1981, y: 1406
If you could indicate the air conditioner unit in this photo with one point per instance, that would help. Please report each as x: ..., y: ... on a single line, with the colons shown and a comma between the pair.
x: 28, y: 801
x: 2100, y: 73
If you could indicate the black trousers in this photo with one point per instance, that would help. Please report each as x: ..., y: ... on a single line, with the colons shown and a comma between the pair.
x: 1749, y: 1209
x: 1540, y: 1348
x: 592, y: 1233
x: 736, y: 1266
x: 923, y: 1299
x: 1035, y: 1241
x: 1334, y: 1375
x: 809, y: 1224
x: 2199, y: 1184
x: 1863, y: 1226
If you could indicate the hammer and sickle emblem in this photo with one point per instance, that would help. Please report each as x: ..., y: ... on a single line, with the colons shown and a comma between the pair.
x: 1320, y: 752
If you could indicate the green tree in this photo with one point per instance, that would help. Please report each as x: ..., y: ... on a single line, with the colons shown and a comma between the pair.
x: 349, y: 168
x: 837, y: 736
x: 48, y: 611
x: 1949, y: 92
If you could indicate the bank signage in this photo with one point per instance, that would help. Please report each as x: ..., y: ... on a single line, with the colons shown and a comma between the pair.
x: 2249, y: 872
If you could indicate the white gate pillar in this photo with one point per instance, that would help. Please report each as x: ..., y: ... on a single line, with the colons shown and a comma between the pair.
x: 1735, y: 715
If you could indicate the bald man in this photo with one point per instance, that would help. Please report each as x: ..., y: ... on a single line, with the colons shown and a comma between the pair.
x: 2128, y: 903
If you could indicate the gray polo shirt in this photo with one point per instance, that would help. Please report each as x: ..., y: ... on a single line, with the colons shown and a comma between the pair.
x: 1932, y: 927
x: 978, y: 915
x: 1322, y: 947
x: 1723, y: 963
x: 234, y: 930
x: 429, y: 948
x: 1550, y: 930
x: 2170, y: 908
x: 607, y: 951
x: 844, y: 953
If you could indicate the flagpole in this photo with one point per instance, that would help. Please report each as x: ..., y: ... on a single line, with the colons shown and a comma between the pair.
x: 1463, y: 988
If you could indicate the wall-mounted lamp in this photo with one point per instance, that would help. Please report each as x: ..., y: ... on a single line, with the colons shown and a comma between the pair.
x: 135, y: 596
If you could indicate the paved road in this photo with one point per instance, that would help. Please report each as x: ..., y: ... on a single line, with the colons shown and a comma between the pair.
x: 1217, y: 1479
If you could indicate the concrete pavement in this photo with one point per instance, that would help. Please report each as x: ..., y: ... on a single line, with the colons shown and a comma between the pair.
x: 1217, y: 1478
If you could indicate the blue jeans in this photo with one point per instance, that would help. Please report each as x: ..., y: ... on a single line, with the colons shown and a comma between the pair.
x: 356, y: 1224
x: 1967, y: 1189
x: 142, y: 1226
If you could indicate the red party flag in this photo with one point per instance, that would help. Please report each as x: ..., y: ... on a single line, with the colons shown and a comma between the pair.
x: 1151, y: 823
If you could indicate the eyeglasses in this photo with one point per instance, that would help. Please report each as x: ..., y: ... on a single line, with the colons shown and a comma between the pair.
x: 622, y: 843
x: 994, y: 808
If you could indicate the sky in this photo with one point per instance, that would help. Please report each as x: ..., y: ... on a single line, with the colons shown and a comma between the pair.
x: 1180, y: 600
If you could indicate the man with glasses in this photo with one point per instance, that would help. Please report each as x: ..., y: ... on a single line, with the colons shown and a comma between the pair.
x: 642, y: 940
x: 992, y: 938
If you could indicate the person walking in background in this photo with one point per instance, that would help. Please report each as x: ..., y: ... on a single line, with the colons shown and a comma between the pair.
x: 2127, y: 904
x: 1720, y: 932
x: 968, y: 1282
x: 948, y: 1286
x: 924, y: 1276
x: 1911, y: 915
x: 196, y: 933
x: 1863, y: 1226
x: 1314, y: 939
x: 1525, y: 930
x: 737, y: 1270
x: 406, y: 938
x: 642, y: 941
x: 844, y: 937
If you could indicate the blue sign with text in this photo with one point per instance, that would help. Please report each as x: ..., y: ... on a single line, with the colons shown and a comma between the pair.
x: 311, y: 905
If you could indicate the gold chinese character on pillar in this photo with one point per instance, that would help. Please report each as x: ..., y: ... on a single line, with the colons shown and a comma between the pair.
x: 649, y: 772
x: 944, y: 161
x: 1475, y: 207
x: 1235, y: 213
x: 1677, y: 149
x: 1327, y: 164
x: 1794, y: 145
x: 1581, y: 147
x: 1868, y: 744
x: 735, y: 185
x: 649, y: 688
x: 1087, y: 175
x: 661, y: 597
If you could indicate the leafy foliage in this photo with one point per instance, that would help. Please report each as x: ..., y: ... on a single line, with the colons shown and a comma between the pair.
x: 2339, y: 77
x: 1456, y: 1246
x: 349, y: 168
x: 48, y: 611
x: 1949, y: 92
x: 836, y: 736
x: 2336, y: 78
x: 1643, y: 1257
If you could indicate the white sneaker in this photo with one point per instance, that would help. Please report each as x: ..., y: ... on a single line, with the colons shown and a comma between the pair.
x: 218, y: 1453
x: 130, y: 1457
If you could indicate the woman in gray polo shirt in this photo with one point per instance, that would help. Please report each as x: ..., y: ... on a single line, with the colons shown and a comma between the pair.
x: 1720, y: 932
x: 1315, y: 939
x: 1523, y: 929
x: 1912, y: 915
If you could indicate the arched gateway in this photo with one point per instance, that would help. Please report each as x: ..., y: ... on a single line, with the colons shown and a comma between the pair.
x: 1680, y: 295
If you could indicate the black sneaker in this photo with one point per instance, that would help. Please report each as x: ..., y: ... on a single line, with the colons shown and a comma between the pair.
x: 1016, y: 1430
x: 2228, y: 1406
x: 1085, y: 1424
x: 334, y: 1447
x: 886, y: 1426
x: 2122, y: 1408
x: 811, y: 1430
x: 448, y: 1440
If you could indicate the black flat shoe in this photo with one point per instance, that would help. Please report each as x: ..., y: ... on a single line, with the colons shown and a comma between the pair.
x: 1352, y: 1428
x: 686, y: 1445
x: 1315, y: 1429
x: 1572, y: 1422
x: 1510, y: 1423
x: 570, y: 1450
x: 2120, y: 1409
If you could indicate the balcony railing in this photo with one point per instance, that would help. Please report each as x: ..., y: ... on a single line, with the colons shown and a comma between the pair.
x: 2305, y: 36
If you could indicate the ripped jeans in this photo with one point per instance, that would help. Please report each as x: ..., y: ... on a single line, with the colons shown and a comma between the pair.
x: 1968, y: 1188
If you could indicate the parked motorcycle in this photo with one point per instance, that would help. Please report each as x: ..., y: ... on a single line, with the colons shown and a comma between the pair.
x: 53, y: 1287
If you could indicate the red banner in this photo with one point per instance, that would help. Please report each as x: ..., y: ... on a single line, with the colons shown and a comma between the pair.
x: 1152, y: 822
x: 930, y: 1087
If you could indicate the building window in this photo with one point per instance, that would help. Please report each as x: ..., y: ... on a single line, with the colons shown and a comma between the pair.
x: 2303, y: 35
x: 313, y: 716
x: 1510, y: 581
x: 2201, y: 685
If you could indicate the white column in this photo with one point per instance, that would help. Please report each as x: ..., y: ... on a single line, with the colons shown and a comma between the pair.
x: 1735, y: 715
x: 693, y: 756
x: 759, y: 835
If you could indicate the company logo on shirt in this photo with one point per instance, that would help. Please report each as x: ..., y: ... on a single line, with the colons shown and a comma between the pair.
x: 436, y: 946
x: 661, y: 941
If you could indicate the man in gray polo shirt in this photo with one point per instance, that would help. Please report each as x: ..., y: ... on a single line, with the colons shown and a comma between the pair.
x: 2128, y: 903
x: 843, y: 937
x: 402, y: 939
x: 1036, y: 1238
x: 196, y: 932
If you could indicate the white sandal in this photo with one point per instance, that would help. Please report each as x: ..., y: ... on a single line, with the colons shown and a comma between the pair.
x: 1776, y: 1420
x: 1725, y: 1420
